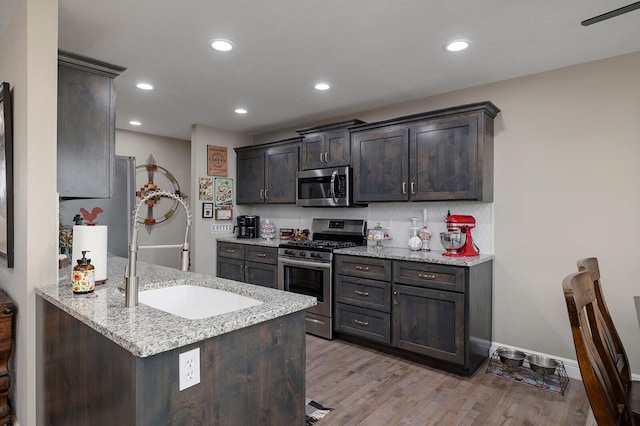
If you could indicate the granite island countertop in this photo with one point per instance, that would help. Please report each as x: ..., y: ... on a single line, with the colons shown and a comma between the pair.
x: 396, y: 253
x: 146, y: 331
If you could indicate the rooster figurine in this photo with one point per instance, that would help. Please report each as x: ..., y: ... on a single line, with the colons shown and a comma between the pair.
x: 90, y: 216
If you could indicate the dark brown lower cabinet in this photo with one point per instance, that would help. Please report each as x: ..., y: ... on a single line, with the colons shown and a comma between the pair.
x: 252, y: 376
x: 441, y: 313
x: 429, y: 322
x: 247, y: 263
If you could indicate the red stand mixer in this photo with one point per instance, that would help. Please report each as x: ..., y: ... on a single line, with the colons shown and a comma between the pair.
x: 457, y: 241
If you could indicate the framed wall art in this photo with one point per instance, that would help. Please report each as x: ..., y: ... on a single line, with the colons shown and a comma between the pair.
x: 6, y: 175
x: 206, y: 189
x: 223, y: 192
x: 217, y: 160
x: 207, y: 210
x: 224, y: 214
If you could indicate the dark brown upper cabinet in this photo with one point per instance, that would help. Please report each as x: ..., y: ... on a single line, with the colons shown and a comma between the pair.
x: 443, y: 155
x: 326, y: 146
x: 266, y: 174
x: 86, y: 126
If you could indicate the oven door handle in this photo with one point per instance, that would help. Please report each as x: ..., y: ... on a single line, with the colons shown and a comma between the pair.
x: 306, y: 264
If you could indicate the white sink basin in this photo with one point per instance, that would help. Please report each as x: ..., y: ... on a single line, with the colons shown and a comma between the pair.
x: 195, y: 302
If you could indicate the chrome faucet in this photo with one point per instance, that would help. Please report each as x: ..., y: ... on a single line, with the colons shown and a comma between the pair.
x: 130, y: 274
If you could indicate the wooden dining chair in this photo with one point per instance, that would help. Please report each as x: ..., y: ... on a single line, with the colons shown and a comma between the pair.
x: 612, y: 342
x: 603, y: 389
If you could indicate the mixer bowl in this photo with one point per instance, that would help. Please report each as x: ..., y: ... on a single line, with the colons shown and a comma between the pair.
x: 453, y: 240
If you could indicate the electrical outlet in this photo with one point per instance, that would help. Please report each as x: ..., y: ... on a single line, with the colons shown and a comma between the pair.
x: 189, y: 367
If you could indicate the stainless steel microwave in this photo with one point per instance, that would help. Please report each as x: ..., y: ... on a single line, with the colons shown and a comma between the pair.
x: 324, y: 187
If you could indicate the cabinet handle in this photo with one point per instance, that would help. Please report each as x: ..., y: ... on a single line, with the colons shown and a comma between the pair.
x: 326, y: 157
x: 413, y: 188
x: 262, y: 194
x: 362, y: 323
x: 427, y: 276
x: 362, y: 268
x: 361, y: 293
x: 395, y: 297
x: 322, y: 157
x: 404, y: 188
x: 230, y: 250
x: 261, y: 255
x: 7, y: 311
x: 266, y: 192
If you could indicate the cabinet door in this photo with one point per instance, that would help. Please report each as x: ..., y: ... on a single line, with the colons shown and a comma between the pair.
x: 380, y: 164
x: 429, y: 322
x: 337, y: 148
x: 312, y: 152
x: 86, y: 133
x: 231, y: 269
x: 444, y: 159
x: 280, y: 176
x: 261, y: 274
x: 250, y: 167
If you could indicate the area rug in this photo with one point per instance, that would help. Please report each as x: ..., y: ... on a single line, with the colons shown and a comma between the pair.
x: 314, y: 411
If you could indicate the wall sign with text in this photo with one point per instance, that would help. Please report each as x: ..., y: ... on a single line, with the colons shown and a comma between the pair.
x: 217, y: 160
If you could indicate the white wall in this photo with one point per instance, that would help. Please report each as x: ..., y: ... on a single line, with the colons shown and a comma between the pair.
x: 204, y: 240
x: 28, y: 48
x: 174, y: 155
x: 566, y: 187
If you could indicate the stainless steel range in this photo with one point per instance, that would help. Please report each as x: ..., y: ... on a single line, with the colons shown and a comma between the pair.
x: 306, y: 267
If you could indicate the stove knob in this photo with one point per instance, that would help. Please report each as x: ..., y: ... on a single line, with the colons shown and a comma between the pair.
x: 302, y: 254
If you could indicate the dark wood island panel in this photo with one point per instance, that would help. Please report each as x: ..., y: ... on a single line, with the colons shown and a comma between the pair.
x: 252, y: 376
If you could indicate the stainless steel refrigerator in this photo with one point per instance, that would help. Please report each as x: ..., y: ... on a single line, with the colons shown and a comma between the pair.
x: 116, y: 210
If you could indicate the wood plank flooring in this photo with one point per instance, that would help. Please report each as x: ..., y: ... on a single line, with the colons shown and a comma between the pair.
x: 367, y: 387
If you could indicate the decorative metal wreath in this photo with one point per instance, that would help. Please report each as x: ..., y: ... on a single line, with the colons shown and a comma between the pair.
x: 152, y: 217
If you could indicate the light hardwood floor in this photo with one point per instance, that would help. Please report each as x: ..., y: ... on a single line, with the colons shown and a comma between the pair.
x: 367, y: 387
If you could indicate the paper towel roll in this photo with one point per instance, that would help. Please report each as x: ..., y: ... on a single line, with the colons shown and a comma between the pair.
x: 94, y: 240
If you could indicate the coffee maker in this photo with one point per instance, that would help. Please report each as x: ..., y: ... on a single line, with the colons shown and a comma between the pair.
x: 248, y: 226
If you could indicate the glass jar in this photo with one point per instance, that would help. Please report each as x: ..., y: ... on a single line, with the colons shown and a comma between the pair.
x: 268, y: 231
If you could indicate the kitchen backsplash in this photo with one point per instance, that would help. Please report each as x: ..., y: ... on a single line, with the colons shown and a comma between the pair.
x: 394, y: 216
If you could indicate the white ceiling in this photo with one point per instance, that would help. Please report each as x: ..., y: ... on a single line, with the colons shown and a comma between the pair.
x: 372, y: 52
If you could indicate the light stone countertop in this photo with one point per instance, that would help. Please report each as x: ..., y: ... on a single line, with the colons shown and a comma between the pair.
x: 394, y: 253
x: 432, y: 256
x: 251, y: 241
x: 146, y: 331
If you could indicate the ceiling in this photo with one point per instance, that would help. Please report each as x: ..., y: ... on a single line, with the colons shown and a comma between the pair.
x: 372, y: 52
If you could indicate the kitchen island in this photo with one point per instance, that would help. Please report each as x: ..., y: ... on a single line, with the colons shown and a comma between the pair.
x: 102, y: 363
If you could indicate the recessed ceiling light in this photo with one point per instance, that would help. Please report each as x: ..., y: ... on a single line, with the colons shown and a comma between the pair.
x: 135, y: 123
x: 222, y: 45
x: 322, y: 86
x: 144, y: 86
x: 241, y: 111
x: 457, y: 45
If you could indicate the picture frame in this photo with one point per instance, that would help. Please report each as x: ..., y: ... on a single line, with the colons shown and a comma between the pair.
x: 217, y: 164
x: 6, y: 175
x: 224, y: 214
x: 207, y: 210
x: 223, y: 192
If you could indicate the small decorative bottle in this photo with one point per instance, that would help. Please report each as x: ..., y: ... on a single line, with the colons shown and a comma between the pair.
x: 415, y: 243
x: 425, y: 234
x: 83, y: 278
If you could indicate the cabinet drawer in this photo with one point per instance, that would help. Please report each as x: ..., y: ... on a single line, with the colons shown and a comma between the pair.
x: 363, y: 292
x: 234, y: 251
x: 429, y: 275
x: 367, y: 323
x: 365, y: 267
x: 261, y: 254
